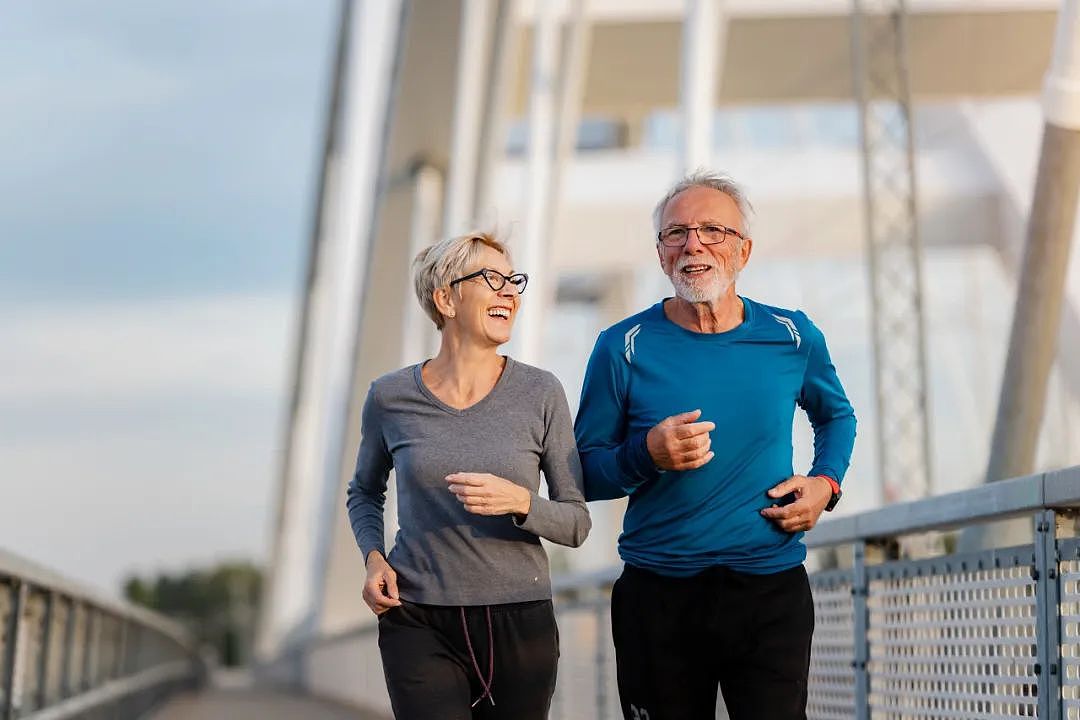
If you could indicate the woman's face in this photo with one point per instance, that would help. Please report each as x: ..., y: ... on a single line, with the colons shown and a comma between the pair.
x: 483, y: 314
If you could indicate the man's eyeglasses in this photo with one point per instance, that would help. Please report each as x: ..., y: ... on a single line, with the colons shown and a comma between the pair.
x: 709, y: 234
x: 496, y: 280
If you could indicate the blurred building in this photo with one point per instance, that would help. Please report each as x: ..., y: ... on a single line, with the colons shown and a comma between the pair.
x: 562, y: 124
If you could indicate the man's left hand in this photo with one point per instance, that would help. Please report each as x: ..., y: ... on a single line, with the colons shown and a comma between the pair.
x: 812, y: 494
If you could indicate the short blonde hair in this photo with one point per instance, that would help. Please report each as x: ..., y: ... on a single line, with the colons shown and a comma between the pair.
x: 435, y: 266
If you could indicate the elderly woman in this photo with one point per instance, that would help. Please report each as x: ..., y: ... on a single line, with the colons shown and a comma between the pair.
x: 466, y: 627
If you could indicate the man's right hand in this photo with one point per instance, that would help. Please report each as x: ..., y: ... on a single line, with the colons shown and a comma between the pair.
x: 380, y: 587
x: 680, y: 442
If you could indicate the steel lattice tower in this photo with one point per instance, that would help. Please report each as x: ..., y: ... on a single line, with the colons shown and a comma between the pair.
x: 879, y: 56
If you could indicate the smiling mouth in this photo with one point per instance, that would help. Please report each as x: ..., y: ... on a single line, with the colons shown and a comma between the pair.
x: 499, y: 313
x: 695, y: 269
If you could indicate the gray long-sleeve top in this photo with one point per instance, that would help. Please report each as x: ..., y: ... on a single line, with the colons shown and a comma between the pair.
x: 443, y: 554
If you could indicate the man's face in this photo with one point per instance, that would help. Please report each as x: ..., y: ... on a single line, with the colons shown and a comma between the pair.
x: 703, y: 273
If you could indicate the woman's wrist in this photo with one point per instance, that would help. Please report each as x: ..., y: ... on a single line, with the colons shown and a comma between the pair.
x: 525, y: 504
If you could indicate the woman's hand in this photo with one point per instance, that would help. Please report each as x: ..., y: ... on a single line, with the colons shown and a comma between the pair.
x: 380, y: 587
x: 487, y: 494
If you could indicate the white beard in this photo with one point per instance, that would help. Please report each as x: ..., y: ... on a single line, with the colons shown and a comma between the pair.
x: 700, y: 291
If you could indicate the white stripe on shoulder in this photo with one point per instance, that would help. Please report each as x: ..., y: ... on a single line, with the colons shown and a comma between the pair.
x: 630, y: 336
x: 792, y: 330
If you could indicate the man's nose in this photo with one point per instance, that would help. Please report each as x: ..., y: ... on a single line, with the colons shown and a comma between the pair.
x: 693, y: 242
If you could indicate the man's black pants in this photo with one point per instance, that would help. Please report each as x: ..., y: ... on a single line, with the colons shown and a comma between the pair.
x: 676, y: 639
x: 432, y: 674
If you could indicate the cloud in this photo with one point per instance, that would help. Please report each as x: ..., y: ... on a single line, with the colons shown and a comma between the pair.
x: 159, y: 151
x: 229, y: 345
x: 175, y: 489
x: 155, y: 200
x: 141, y: 436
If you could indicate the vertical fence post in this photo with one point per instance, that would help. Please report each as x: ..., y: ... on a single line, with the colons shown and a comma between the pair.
x: 134, y: 656
x: 859, y: 593
x: 46, y: 647
x: 14, y: 636
x: 89, y: 647
x: 1047, y: 616
x: 121, y: 648
x: 68, y: 650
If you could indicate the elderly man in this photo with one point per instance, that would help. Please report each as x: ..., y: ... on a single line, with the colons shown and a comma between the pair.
x: 687, y: 408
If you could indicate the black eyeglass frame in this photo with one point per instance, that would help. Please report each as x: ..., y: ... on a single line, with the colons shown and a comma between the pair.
x: 701, y: 237
x: 486, y: 274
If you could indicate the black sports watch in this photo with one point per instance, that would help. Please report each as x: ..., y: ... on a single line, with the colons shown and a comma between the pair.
x: 836, y: 494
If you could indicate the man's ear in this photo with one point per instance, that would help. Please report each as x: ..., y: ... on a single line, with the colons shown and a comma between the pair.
x: 745, y: 250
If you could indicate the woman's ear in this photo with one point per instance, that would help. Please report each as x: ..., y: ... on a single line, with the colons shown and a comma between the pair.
x: 444, y: 301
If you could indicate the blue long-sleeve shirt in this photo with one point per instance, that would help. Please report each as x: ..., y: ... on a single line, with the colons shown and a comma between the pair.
x: 747, y: 381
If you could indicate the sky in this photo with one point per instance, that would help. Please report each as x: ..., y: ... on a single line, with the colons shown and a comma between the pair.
x: 156, y: 190
x: 159, y: 162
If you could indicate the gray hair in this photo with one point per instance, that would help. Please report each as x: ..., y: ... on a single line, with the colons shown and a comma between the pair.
x: 714, y: 181
x: 436, y: 265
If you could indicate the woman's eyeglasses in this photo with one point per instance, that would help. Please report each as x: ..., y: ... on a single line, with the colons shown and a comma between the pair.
x: 496, y: 280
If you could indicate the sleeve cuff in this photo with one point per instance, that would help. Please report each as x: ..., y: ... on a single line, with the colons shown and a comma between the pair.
x: 366, y: 549
x: 635, y: 462
x: 828, y: 475
x: 523, y: 522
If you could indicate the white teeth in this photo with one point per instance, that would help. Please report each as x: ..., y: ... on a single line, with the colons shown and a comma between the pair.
x: 499, y: 312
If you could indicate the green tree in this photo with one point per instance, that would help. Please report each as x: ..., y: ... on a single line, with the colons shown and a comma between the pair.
x: 218, y: 605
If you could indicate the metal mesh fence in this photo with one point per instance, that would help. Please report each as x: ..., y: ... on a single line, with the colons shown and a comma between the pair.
x: 953, y: 637
x: 832, y: 675
x: 946, y: 638
x: 1070, y: 629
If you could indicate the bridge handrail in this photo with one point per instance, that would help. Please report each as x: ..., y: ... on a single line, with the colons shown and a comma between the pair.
x: 993, y: 501
x: 18, y: 568
x: 67, y: 648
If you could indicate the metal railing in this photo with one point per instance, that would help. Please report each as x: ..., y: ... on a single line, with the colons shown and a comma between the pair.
x: 69, y: 652
x: 982, y: 635
x: 985, y: 635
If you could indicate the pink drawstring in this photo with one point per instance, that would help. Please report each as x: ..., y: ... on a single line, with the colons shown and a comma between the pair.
x: 491, y: 658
